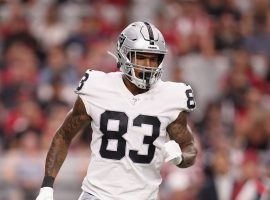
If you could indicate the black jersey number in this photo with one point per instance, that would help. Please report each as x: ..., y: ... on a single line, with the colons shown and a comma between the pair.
x: 84, y: 78
x: 122, y: 118
x: 190, y: 99
x: 116, y: 135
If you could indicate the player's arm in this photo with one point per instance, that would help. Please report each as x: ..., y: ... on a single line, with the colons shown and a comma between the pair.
x: 180, y: 133
x: 74, y: 121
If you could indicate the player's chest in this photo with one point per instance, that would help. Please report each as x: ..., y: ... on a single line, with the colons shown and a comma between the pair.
x: 132, y: 113
x: 131, y: 106
x: 129, y: 127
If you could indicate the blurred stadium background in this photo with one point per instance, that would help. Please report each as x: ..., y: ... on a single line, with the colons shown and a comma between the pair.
x: 220, y: 47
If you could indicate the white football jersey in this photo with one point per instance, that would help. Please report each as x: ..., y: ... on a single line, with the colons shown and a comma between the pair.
x: 126, y: 160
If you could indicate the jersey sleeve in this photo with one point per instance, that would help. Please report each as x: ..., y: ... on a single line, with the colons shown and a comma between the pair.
x: 85, y: 87
x: 187, y: 101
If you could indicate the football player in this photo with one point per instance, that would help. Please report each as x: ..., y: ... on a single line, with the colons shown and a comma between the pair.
x: 138, y: 121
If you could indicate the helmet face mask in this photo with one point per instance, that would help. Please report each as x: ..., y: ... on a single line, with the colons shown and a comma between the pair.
x: 140, y: 38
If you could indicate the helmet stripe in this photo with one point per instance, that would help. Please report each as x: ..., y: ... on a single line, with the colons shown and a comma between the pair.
x: 150, y: 31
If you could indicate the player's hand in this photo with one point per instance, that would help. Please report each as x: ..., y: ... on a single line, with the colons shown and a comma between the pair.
x: 172, y: 152
x: 45, y: 193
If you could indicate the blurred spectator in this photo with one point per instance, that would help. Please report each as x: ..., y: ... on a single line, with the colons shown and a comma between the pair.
x: 57, y: 78
x: 195, y: 71
x: 258, y: 40
x: 266, y: 178
x: 51, y: 31
x: 27, y: 115
x: 57, y: 66
x: 219, y: 186
x: 20, y: 73
x: 24, y: 168
x: 249, y: 186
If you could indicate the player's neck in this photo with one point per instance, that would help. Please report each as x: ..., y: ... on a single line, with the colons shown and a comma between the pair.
x: 133, y: 88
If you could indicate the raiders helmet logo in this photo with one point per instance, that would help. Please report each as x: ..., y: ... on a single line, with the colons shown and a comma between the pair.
x: 121, y: 40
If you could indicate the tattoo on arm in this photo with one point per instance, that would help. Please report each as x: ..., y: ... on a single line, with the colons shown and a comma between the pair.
x: 75, y: 120
x: 179, y: 132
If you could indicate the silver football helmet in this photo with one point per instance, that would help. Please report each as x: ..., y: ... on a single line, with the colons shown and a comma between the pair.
x: 140, y: 37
